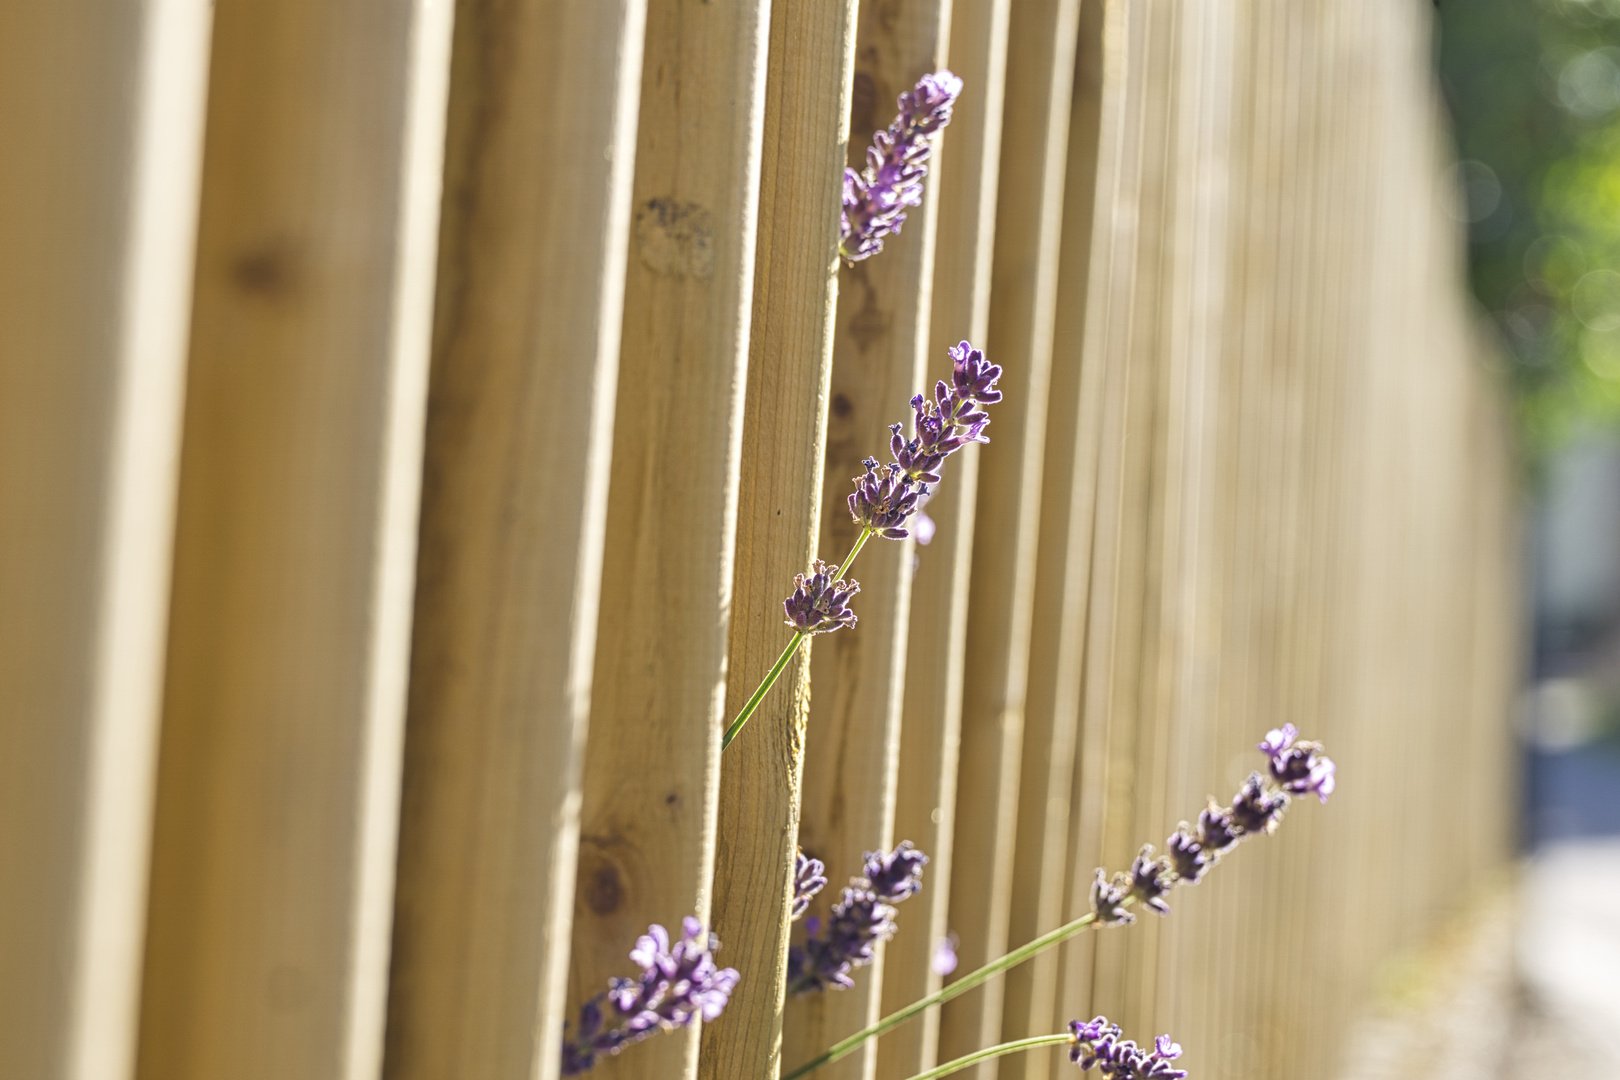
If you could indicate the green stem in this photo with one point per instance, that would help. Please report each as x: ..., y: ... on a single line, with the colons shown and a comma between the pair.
x: 955, y: 989
x: 752, y: 705
x: 993, y: 1052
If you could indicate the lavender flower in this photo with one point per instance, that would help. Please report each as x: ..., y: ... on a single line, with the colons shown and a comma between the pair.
x: 819, y: 604
x: 876, y: 198
x: 1108, y: 899
x: 1256, y: 810
x: 808, y: 879
x: 679, y: 984
x: 883, y: 498
x: 1299, y: 766
x: 1098, y: 1044
x: 863, y: 916
x: 1151, y: 878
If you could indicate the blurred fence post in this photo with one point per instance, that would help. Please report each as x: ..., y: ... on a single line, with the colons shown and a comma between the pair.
x: 102, y: 106
x: 273, y: 854
x: 519, y: 433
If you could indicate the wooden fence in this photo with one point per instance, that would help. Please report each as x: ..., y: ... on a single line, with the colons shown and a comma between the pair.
x: 412, y: 418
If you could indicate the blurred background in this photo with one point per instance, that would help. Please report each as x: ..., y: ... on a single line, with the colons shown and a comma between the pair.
x: 1533, y: 92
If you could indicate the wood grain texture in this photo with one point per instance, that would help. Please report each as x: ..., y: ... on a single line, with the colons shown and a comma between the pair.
x: 1040, y: 72
x: 520, y: 418
x: 807, y: 99
x: 102, y: 106
x: 273, y: 856
x: 931, y: 713
x: 856, y: 688
x: 1062, y: 580
x: 652, y: 766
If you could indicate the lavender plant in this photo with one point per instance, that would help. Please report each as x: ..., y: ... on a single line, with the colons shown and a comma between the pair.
x: 885, y: 497
x: 888, y: 494
x: 877, y: 197
x: 862, y: 917
x: 1293, y: 767
x: 1092, y: 1044
x: 679, y: 983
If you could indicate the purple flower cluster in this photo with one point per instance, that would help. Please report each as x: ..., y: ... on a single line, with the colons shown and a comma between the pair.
x: 678, y: 984
x: 863, y: 916
x: 809, y: 878
x: 877, y: 197
x: 1296, y: 766
x: 1098, y: 1043
x: 886, y: 496
x: 819, y: 603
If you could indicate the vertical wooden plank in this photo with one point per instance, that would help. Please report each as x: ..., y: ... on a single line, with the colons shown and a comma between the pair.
x: 102, y: 107
x: 879, y: 359
x: 931, y: 713
x: 807, y: 97
x: 1040, y: 74
x: 273, y: 853
x: 531, y: 272
x: 652, y: 765
x: 1062, y: 580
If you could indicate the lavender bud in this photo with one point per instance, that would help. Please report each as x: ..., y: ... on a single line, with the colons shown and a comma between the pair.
x: 1150, y: 880
x: 884, y: 498
x: 974, y: 377
x: 1216, y: 832
x: 1098, y: 1043
x: 897, y: 875
x: 877, y: 197
x: 679, y: 984
x: 808, y: 879
x: 1186, y: 855
x: 1255, y: 809
x: 863, y: 916
x: 1299, y: 766
x: 819, y: 604
x: 1108, y: 899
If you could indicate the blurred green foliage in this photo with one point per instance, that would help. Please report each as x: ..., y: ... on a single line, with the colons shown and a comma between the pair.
x: 1534, y: 91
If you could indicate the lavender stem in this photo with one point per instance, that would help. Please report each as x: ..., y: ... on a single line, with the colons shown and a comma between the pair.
x: 994, y: 1052
x: 960, y: 986
x: 753, y: 703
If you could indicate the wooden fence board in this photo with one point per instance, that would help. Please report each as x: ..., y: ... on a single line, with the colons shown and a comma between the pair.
x: 102, y: 107
x: 1040, y: 74
x: 807, y: 97
x: 1062, y: 580
x: 519, y: 429
x: 273, y: 853
x: 856, y: 689
x: 652, y: 765
x: 925, y: 800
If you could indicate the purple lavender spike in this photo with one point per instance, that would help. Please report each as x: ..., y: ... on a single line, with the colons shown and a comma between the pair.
x: 884, y: 498
x: 1097, y: 1043
x: 678, y: 985
x: 863, y: 916
x: 877, y: 197
x: 820, y: 604
x: 1299, y: 765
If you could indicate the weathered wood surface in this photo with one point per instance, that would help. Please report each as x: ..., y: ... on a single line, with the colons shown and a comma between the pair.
x: 880, y: 349
x: 102, y: 108
x: 520, y: 415
x: 1042, y: 42
x: 273, y: 852
x: 807, y: 99
x: 925, y: 798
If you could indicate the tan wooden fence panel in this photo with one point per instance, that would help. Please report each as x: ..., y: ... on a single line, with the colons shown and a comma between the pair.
x: 519, y: 432
x: 856, y: 691
x: 925, y: 796
x: 102, y: 109
x: 779, y: 513
x: 1249, y: 470
x: 653, y: 765
x: 273, y: 855
x: 1040, y: 72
